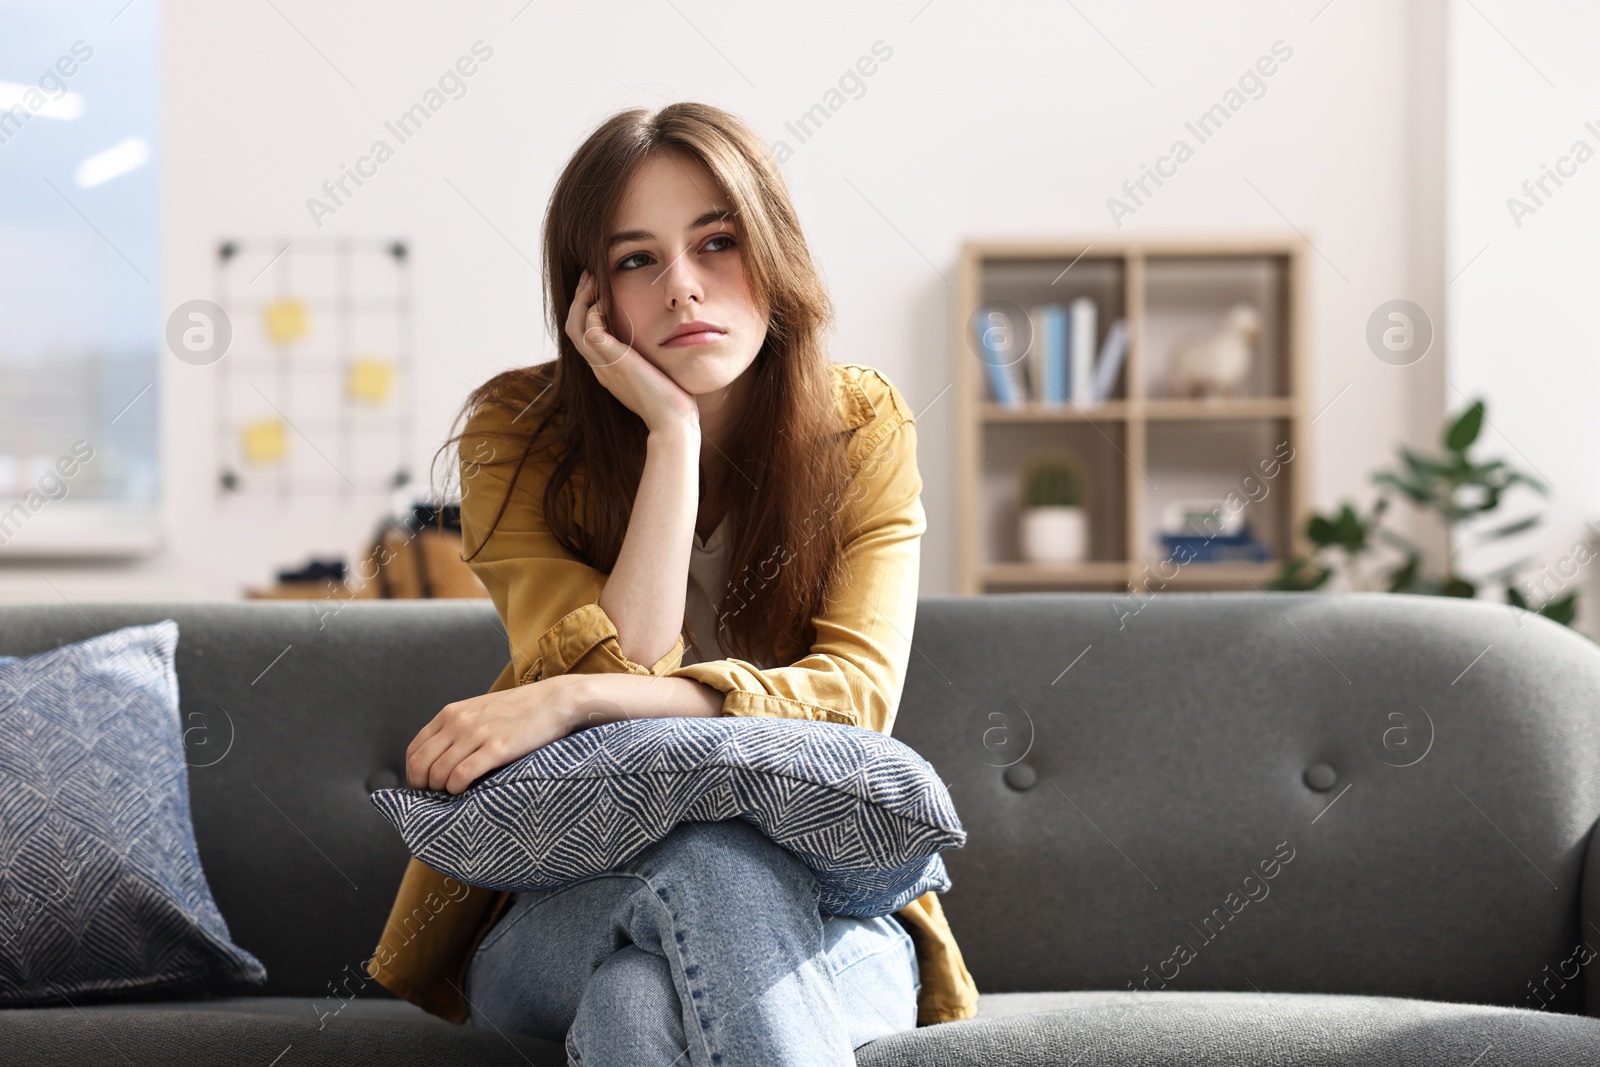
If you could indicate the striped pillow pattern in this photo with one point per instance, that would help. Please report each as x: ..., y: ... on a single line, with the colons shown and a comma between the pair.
x: 865, y: 812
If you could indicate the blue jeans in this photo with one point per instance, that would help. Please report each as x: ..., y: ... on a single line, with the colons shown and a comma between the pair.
x: 712, y: 932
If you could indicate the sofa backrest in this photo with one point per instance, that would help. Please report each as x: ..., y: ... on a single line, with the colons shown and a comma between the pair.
x: 1419, y: 777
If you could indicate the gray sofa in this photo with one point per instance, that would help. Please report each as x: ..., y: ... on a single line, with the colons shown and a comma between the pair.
x: 1419, y: 776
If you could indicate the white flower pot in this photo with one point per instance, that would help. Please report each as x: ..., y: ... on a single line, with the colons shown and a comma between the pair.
x: 1054, y: 535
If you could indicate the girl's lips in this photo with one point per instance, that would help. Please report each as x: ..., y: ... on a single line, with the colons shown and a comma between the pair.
x: 701, y: 338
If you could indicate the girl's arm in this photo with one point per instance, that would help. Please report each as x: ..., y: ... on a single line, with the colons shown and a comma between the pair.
x: 644, y: 595
x: 592, y: 699
x: 471, y: 737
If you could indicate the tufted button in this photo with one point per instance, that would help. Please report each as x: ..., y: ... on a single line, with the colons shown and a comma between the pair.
x: 1321, y: 777
x: 382, y: 778
x: 1021, y: 777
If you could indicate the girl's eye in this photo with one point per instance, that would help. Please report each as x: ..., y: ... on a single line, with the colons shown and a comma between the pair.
x: 622, y: 264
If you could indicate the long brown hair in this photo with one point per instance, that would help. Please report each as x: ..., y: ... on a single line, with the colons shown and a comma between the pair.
x: 789, y: 445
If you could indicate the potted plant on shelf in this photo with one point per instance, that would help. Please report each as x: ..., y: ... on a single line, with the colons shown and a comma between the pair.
x: 1054, y: 529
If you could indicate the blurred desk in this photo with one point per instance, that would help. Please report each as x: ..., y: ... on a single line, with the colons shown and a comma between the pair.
x: 406, y: 563
x: 311, y: 591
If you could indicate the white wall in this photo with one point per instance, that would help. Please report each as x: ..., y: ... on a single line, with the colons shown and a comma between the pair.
x: 1004, y: 118
x: 1522, y: 86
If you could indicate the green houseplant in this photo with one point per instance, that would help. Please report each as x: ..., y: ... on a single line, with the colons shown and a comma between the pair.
x: 1455, y: 487
x: 1053, y: 528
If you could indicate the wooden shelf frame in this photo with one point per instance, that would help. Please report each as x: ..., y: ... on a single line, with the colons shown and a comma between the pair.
x: 1129, y: 418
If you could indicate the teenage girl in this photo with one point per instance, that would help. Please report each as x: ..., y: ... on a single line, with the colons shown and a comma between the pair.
x: 692, y: 414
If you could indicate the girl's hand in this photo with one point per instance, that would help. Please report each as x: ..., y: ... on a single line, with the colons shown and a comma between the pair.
x: 471, y: 737
x: 641, y: 386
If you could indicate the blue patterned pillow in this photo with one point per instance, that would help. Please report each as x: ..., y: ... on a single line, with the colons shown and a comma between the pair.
x: 101, y: 889
x: 865, y: 812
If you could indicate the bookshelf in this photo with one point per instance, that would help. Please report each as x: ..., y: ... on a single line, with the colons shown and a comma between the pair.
x: 1142, y: 448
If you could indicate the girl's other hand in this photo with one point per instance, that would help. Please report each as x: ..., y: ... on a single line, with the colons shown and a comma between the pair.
x: 469, y: 738
x: 641, y: 386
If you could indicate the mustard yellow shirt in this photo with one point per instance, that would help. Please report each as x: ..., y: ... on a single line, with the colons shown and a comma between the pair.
x: 548, y: 600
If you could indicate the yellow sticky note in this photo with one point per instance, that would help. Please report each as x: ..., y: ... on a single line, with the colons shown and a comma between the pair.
x: 285, y: 321
x: 369, y: 379
x: 263, y: 441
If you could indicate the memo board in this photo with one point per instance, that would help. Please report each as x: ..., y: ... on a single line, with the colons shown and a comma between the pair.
x: 314, y: 395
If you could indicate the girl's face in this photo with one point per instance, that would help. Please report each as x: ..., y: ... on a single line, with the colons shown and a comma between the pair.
x: 675, y: 258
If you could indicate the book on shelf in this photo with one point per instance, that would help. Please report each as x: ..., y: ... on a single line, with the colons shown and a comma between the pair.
x: 1112, y: 353
x: 1056, y: 331
x: 1194, y: 527
x: 999, y: 385
x: 1241, y: 547
x: 1049, y: 353
x: 1002, y: 368
x: 1020, y: 379
x: 1080, y: 351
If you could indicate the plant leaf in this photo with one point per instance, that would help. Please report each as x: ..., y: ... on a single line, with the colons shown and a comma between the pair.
x: 1352, y: 535
x: 1421, y: 465
x: 1403, y: 576
x: 1321, y: 531
x: 1465, y: 429
x: 1510, y: 529
x: 1416, y: 494
x: 1299, y: 572
x: 1526, y: 479
x: 1563, y: 610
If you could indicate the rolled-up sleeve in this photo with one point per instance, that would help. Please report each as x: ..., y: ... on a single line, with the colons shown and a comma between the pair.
x: 855, y: 671
x: 547, y: 598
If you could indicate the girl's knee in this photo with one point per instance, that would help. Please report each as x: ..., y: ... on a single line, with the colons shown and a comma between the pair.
x: 629, y: 999
x: 630, y: 976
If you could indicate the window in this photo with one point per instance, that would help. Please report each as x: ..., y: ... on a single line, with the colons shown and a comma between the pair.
x: 80, y: 320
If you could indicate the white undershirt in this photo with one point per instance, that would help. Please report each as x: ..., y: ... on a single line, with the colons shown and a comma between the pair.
x: 708, y: 577
x: 708, y: 574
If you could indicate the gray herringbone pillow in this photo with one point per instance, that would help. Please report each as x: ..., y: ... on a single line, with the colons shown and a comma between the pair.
x: 101, y: 889
x: 865, y: 812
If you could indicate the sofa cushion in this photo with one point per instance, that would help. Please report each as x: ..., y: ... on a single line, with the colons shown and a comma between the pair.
x: 286, y: 1031
x: 101, y: 889
x: 866, y: 813
x: 1182, y: 1029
